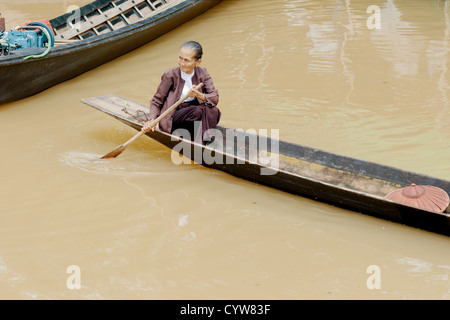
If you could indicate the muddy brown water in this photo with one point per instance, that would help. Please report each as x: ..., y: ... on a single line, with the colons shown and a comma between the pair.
x: 141, y: 227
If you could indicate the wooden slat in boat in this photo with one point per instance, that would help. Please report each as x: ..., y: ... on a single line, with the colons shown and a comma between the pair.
x: 110, y: 16
x: 342, y: 181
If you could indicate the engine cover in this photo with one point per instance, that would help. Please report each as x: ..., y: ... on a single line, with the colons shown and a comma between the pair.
x: 34, y: 34
x: 25, y: 39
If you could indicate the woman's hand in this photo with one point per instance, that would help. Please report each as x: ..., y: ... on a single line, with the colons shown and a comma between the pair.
x: 194, y: 93
x: 147, y: 128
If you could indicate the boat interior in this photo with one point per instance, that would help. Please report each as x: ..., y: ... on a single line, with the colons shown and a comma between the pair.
x: 302, y: 164
x: 101, y: 17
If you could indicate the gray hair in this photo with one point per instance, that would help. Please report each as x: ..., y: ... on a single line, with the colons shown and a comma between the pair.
x: 194, y: 46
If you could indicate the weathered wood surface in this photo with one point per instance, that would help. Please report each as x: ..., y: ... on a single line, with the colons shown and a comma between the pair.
x: 110, y: 17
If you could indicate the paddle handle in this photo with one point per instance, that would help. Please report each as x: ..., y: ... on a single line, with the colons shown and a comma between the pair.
x: 165, y: 113
x: 126, y: 144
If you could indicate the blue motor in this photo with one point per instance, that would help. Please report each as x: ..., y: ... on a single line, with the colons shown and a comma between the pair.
x: 33, y: 35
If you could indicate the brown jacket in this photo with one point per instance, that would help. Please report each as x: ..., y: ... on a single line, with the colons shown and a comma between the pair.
x: 170, y: 89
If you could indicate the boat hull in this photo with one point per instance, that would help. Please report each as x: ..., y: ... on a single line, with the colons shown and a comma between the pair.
x: 338, y: 180
x: 316, y: 190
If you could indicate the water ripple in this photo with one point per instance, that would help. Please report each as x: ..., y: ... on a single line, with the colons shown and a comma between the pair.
x: 92, y: 163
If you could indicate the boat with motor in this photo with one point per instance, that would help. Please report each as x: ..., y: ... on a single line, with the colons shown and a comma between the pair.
x: 43, y: 53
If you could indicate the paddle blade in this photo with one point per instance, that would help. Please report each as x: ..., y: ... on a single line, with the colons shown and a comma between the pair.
x: 115, y: 153
x: 118, y: 151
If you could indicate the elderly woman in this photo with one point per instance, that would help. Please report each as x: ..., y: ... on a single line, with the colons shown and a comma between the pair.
x: 201, y: 106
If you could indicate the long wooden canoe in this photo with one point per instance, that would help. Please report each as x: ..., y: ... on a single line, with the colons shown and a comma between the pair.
x: 338, y: 180
x: 86, y: 38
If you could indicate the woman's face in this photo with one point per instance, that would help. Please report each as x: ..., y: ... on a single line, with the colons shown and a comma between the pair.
x: 186, y: 60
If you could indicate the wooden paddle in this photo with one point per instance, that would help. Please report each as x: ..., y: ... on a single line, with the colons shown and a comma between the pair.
x: 118, y: 151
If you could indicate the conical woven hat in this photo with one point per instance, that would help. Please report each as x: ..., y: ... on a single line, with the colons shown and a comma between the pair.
x: 424, y: 197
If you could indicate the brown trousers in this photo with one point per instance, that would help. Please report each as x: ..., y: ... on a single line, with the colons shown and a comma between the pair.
x: 188, y: 114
